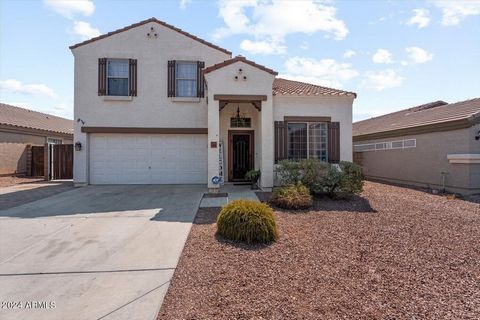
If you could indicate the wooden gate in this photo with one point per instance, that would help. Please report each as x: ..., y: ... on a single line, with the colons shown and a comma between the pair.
x: 38, y: 161
x: 61, y: 161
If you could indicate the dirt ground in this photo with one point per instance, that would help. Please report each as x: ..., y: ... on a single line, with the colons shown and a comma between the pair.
x: 391, y: 253
x: 11, y: 181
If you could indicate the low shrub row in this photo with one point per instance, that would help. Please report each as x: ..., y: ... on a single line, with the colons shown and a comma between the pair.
x: 336, y: 180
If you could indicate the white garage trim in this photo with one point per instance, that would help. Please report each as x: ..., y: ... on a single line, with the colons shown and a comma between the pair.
x: 123, y: 158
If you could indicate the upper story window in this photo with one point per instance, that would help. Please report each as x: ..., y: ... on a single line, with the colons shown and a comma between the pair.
x: 117, y: 77
x: 186, y: 79
x: 307, y: 141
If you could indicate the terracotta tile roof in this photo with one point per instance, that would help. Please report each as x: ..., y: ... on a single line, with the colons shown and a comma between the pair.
x: 433, y: 113
x: 236, y: 59
x: 290, y: 87
x: 24, y: 118
x: 156, y: 21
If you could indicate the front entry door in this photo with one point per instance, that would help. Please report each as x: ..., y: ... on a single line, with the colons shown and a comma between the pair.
x: 240, y: 154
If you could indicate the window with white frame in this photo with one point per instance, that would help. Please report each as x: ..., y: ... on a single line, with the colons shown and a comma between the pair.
x: 386, y: 145
x: 54, y: 141
x: 117, y: 77
x: 307, y: 140
x: 186, y: 78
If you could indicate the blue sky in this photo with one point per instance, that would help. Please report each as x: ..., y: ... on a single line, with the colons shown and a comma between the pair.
x: 393, y: 54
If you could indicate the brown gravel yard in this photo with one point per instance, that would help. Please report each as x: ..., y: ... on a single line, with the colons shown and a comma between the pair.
x: 11, y: 181
x: 393, y: 253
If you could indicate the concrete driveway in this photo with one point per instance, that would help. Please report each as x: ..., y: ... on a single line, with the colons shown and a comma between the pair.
x: 98, y: 252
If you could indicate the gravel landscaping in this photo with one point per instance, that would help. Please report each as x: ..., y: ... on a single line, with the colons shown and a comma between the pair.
x: 391, y: 253
x: 11, y: 180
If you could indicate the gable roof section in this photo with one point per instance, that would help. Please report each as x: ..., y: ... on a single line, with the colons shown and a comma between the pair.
x: 237, y: 59
x: 290, y: 87
x: 191, y: 36
x: 430, y: 117
x: 24, y: 118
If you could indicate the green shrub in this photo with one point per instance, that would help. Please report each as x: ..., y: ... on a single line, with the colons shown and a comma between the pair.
x: 342, y: 180
x: 253, y: 176
x: 294, y: 196
x: 247, y: 221
x: 306, y: 171
x: 352, y: 181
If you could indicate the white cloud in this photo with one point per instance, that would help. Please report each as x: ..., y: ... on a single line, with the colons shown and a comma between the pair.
x: 33, y: 89
x: 273, y: 20
x: 85, y: 30
x: 418, y: 55
x: 421, y: 17
x: 349, y: 54
x: 69, y: 8
x: 381, y: 80
x: 263, y: 47
x: 455, y: 11
x: 325, y: 72
x: 382, y: 56
x: 183, y: 3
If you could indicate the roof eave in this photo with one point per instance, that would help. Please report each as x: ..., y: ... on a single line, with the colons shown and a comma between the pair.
x: 155, y: 20
x: 429, y: 128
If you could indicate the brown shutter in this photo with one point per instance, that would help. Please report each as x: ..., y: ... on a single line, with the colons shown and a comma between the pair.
x: 200, y: 79
x: 171, y: 79
x: 102, y: 76
x: 280, y: 140
x: 132, y: 77
x: 334, y: 142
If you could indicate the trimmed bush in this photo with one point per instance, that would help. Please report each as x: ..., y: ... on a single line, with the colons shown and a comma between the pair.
x: 294, y: 196
x: 338, y: 181
x: 307, y: 172
x: 247, y: 221
x: 341, y: 182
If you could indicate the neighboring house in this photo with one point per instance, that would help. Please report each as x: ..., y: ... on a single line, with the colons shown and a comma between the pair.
x: 20, y: 129
x: 436, y: 145
x: 156, y: 105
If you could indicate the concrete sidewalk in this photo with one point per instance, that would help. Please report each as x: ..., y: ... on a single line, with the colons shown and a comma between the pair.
x: 98, y: 252
x: 233, y: 193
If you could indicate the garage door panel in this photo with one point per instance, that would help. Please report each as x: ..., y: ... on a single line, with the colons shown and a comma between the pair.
x: 148, y: 159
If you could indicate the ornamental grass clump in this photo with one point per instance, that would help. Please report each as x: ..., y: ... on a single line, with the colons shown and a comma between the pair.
x: 247, y: 221
x: 293, y: 196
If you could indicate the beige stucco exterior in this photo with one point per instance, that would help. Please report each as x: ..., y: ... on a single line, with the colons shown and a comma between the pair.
x: 13, y: 149
x: 423, y: 165
x: 152, y: 108
x: 339, y: 109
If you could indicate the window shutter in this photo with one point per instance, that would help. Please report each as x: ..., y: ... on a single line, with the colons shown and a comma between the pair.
x: 102, y: 76
x: 334, y: 142
x: 200, y: 79
x: 280, y: 140
x: 132, y: 77
x: 171, y: 79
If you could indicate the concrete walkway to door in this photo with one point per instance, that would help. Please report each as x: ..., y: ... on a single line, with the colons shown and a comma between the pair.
x: 97, y: 252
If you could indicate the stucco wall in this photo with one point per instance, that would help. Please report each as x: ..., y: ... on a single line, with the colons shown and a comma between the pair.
x: 222, y: 81
x: 152, y: 107
x: 423, y: 165
x: 338, y: 108
x: 248, y: 111
x: 13, y: 154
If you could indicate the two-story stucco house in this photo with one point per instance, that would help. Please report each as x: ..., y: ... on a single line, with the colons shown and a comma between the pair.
x: 156, y: 105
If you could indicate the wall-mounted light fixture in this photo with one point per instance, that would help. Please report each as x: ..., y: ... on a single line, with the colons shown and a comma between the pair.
x: 78, y: 146
x: 477, y: 137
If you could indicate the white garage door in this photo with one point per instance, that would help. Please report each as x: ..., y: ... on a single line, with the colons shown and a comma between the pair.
x: 148, y: 159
